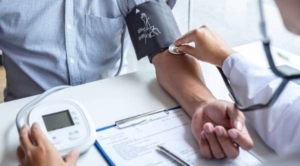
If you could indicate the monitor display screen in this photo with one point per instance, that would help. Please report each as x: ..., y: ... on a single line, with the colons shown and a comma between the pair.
x: 58, y: 120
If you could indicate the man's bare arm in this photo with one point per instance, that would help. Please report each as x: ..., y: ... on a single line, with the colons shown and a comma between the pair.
x: 182, y: 78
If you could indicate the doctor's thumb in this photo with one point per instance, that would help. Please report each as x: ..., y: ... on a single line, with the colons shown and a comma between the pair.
x: 72, y: 157
x: 187, y: 49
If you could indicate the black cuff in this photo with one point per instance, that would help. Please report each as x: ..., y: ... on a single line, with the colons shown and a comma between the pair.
x: 151, y: 56
x: 152, y: 28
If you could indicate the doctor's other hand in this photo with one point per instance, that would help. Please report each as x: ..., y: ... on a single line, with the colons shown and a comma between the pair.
x: 36, y: 150
x: 209, y: 46
x: 219, y: 128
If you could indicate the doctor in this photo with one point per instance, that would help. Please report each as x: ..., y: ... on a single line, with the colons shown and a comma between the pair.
x: 277, y: 124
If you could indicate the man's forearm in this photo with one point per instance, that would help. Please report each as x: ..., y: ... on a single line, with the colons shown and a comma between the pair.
x: 182, y: 78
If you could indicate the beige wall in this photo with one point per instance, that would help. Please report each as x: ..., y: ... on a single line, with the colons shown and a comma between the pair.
x: 2, y: 81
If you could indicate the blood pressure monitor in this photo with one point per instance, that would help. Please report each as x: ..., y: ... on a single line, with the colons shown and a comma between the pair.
x: 66, y: 124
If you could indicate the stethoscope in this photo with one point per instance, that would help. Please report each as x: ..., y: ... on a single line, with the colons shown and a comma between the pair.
x: 122, y: 50
x: 267, y: 48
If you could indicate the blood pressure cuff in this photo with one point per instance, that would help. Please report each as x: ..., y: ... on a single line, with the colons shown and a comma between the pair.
x: 152, y: 28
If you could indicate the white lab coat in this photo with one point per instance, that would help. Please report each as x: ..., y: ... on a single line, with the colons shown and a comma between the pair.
x: 279, y: 125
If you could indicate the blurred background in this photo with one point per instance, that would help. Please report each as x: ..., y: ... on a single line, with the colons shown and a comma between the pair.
x: 2, y: 78
x: 237, y: 21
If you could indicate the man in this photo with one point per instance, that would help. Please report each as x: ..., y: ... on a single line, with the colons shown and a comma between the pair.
x: 47, y: 44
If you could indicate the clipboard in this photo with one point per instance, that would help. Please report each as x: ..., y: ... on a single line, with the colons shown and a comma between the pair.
x: 129, y: 122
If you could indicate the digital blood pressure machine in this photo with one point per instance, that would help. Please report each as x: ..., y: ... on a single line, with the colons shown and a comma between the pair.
x: 66, y: 123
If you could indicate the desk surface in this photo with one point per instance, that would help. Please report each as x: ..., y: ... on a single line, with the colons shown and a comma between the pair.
x: 117, y: 98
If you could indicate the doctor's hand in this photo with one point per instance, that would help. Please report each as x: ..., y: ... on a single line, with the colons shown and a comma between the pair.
x: 36, y: 150
x: 209, y: 46
x: 220, y: 130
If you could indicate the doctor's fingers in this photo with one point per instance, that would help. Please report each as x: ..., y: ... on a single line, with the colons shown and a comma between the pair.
x: 189, y: 37
x: 192, y: 36
x: 243, y: 138
x: 196, y: 35
x: 25, y: 141
x: 229, y: 148
x: 213, y: 142
x: 188, y: 50
x: 38, y: 136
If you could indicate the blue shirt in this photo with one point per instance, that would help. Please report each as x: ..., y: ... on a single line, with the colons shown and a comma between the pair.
x: 47, y: 43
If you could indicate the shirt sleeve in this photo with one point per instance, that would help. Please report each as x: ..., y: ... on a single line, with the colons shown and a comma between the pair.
x: 278, y: 125
x: 127, y: 5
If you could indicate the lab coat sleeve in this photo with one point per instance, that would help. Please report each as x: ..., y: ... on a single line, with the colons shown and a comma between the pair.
x: 278, y: 125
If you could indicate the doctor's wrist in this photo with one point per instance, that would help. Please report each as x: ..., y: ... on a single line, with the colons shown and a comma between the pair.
x: 222, y: 57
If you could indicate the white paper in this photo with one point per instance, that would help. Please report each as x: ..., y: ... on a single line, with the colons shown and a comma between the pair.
x: 137, y: 145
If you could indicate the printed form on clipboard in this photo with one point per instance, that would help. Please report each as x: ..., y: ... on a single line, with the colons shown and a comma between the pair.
x: 133, y: 141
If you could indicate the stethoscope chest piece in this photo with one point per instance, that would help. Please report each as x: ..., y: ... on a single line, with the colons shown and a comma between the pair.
x: 174, y: 50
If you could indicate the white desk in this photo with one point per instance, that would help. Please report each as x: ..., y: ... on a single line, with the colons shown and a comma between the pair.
x: 117, y: 98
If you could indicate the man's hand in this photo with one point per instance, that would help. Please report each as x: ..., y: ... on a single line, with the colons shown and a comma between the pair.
x: 36, y: 150
x: 219, y: 129
x: 209, y: 46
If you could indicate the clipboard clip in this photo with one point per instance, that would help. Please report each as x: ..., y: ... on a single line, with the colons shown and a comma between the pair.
x: 141, y: 118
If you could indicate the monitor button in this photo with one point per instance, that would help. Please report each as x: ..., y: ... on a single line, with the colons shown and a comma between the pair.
x: 74, y: 135
x: 73, y: 113
x: 55, y: 140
